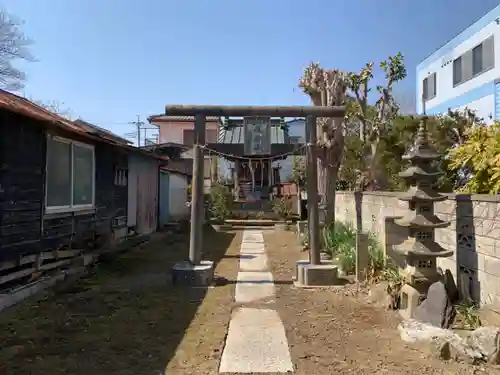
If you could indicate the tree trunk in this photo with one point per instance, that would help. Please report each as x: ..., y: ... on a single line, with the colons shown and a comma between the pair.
x: 330, y: 182
x: 330, y: 166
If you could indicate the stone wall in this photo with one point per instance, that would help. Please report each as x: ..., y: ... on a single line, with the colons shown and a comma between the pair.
x: 474, y: 235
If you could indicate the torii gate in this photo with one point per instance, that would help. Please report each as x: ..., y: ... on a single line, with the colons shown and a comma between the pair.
x: 198, y: 272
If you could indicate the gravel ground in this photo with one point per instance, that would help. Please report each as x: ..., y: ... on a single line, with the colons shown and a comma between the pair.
x: 338, y: 332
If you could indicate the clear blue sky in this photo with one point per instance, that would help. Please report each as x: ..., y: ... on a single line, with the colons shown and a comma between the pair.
x: 110, y: 60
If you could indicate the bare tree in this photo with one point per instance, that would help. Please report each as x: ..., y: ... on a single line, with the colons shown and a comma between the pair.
x: 54, y: 106
x: 327, y: 87
x: 13, y: 46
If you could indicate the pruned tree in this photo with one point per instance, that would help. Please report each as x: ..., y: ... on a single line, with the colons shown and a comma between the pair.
x: 14, y: 45
x: 374, y: 124
x: 327, y: 87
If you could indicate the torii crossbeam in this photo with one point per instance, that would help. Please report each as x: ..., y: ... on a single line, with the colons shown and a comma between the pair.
x: 198, y: 271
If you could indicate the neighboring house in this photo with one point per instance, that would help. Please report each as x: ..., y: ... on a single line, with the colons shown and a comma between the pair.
x: 63, y: 188
x: 464, y: 72
x: 173, y: 195
x: 180, y: 129
x: 177, y: 132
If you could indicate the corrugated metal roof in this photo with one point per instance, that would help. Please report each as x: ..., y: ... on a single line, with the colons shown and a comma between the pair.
x: 235, y: 134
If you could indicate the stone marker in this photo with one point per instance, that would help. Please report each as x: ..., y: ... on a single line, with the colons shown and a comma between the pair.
x: 320, y: 275
x: 362, y: 256
x: 437, y: 308
x: 451, y: 286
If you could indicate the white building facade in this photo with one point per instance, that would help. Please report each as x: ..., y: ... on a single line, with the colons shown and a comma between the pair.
x: 465, y: 72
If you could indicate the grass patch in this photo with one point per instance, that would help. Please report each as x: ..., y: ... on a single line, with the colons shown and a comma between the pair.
x: 468, y: 315
x: 340, y: 242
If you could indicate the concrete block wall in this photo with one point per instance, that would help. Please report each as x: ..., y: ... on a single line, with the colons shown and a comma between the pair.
x: 474, y: 235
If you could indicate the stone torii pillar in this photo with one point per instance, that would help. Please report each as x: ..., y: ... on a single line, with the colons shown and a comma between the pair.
x: 196, y: 271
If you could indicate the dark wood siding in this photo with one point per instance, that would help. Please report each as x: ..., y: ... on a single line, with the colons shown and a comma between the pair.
x: 22, y: 165
x: 104, y: 187
x: 111, y: 198
x: 24, y: 228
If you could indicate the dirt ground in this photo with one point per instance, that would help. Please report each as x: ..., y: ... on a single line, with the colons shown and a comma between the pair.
x: 128, y: 319
x: 330, y: 332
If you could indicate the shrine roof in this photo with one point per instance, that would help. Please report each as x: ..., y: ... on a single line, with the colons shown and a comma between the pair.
x: 234, y: 134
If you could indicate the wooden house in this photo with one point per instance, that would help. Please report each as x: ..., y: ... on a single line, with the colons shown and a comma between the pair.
x: 65, y: 188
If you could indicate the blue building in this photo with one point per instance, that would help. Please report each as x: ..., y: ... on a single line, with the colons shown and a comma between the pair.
x: 464, y: 72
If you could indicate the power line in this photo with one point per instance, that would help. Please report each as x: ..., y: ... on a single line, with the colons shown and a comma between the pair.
x: 138, y: 123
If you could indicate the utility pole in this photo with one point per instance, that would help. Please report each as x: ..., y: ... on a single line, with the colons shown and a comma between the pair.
x: 138, y: 125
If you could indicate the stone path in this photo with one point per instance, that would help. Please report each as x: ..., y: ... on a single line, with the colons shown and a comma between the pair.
x: 256, y: 340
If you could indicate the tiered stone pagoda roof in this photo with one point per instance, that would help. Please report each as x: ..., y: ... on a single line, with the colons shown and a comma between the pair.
x: 427, y: 249
x: 422, y: 173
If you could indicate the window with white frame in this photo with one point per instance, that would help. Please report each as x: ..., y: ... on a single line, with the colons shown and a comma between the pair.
x: 70, y: 175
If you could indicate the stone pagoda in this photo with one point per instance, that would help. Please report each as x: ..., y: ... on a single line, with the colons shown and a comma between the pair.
x: 420, y: 249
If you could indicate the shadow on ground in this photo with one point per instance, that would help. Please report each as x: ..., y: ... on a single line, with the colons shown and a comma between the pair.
x: 222, y: 281
x: 125, y: 318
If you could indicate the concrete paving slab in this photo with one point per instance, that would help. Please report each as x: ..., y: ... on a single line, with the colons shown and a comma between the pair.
x: 253, y: 286
x: 252, y: 248
x: 253, y: 236
x: 256, y: 343
x: 253, y: 262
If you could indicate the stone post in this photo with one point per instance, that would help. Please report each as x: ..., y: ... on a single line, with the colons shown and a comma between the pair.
x: 362, y: 257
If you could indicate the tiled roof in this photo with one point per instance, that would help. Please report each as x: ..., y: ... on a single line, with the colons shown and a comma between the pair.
x: 27, y: 108
x: 87, y: 126
x: 165, y: 118
x: 22, y: 106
